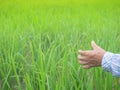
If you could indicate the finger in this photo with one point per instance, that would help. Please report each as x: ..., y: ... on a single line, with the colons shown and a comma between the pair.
x: 83, y: 53
x: 91, y: 65
x: 86, y: 66
x: 82, y: 58
x: 84, y: 62
x: 94, y: 45
x: 94, y: 65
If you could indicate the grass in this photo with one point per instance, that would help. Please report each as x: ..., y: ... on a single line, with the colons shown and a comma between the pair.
x: 39, y: 45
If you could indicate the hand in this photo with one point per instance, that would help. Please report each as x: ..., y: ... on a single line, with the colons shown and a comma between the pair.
x: 91, y: 58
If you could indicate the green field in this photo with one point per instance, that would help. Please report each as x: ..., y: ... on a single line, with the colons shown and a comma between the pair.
x: 39, y: 43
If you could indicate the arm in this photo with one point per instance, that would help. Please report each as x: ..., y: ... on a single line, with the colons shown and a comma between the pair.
x: 97, y: 57
x: 111, y: 63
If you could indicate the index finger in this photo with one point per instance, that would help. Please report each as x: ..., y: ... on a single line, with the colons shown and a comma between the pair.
x: 83, y: 53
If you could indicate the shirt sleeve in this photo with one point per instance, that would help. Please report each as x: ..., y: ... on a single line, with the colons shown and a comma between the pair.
x: 111, y: 63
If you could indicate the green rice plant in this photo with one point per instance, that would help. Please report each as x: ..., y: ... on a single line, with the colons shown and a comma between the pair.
x: 39, y: 43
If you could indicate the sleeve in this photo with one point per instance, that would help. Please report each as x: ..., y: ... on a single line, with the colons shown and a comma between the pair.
x: 111, y: 63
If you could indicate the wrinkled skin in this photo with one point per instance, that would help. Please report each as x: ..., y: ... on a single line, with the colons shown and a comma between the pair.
x: 91, y: 58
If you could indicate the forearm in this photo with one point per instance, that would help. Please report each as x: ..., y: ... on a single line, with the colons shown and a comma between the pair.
x: 111, y: 63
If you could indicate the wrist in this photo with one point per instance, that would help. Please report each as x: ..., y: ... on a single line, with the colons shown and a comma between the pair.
x: 106, y: 61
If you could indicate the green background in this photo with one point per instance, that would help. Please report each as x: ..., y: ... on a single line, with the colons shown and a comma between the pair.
x: 40, y: 39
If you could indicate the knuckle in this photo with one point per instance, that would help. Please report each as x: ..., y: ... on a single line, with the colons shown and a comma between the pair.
x: 87, y: 54
x: 92, y: 54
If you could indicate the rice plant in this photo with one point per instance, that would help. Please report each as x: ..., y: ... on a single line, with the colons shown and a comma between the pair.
x: 39, y: 43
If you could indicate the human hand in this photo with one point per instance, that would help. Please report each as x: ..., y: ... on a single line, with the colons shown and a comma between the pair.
x: 91, y: 58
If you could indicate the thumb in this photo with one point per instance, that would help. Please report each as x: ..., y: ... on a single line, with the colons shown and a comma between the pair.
x: 94, y: 45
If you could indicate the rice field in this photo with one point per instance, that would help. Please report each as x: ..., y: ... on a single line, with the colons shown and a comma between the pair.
x: 39, y: 43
